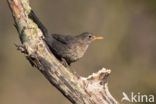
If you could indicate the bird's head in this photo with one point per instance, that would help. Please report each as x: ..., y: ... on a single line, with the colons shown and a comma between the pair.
x: 87, y: 37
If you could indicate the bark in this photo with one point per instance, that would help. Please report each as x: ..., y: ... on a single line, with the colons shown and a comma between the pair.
x: 77, y: 89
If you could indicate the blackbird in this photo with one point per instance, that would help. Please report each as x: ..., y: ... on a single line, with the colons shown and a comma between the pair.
x: 67, y: 48
x: 70, y: 48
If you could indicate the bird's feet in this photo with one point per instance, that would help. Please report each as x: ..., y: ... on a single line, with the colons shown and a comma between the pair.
x: 64, y: 62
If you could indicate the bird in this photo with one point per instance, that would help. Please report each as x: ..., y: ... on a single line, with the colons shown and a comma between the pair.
x: 66, y: 48
x: 70, y: 48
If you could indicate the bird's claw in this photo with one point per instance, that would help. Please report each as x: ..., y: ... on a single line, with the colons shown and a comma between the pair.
x: 64, y: 62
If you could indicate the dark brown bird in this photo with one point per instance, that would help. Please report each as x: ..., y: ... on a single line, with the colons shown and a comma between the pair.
x: 66, y: 48
x: 70, y: 48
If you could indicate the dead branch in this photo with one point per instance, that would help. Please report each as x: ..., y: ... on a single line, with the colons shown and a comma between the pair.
x: 77, y: 89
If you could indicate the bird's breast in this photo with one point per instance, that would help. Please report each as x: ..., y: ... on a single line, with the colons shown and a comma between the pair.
x: 78, y: 51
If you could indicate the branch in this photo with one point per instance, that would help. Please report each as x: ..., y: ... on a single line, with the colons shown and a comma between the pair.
x: 77, y: 89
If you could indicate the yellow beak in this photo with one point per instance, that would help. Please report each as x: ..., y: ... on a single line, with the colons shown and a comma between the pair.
x: 97, y: 38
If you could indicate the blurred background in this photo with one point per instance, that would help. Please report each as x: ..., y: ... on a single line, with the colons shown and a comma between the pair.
x: 128, y: 48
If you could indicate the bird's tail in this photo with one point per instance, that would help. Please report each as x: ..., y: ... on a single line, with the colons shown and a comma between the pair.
x: 33, y: 16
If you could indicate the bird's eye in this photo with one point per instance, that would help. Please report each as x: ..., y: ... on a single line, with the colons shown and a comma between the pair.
x: 89, y: 36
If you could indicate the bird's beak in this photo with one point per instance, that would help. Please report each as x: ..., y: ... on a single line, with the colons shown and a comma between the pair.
x: 97, y: 38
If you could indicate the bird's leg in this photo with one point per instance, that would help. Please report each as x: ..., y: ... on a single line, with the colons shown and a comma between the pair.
x: 64, y: 62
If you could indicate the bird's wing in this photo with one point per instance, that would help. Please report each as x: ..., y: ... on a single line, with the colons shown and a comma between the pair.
x: 62, y: 38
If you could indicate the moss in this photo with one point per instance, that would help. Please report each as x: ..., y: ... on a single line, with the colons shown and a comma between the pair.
x: 72, y: 79
x: 26, y: 6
